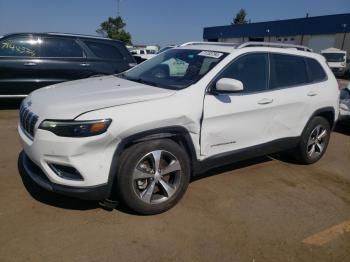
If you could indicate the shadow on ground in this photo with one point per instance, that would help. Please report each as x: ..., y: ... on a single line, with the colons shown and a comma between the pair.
x: 343, y: 128
x: 231, y: 167
x: 60, y: 201
x: 6, y: 104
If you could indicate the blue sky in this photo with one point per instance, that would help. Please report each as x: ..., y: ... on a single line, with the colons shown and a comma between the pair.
x: 155, y: 21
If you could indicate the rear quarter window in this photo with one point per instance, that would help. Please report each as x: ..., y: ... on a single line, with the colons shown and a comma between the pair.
x: 287, y: 70
x: 105, y: 51
x: 316, y: 72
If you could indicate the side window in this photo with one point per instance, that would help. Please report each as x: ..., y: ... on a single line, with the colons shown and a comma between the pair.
x: 105, y: 51
x: 251, y: 70
x: 287, y: 70
x: 20, y: 46
x: 316, y: 72
x: 60, y: 47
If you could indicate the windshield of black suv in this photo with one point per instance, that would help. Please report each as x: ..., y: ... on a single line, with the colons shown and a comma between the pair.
x: 334, y: 57
x: 175, y: 68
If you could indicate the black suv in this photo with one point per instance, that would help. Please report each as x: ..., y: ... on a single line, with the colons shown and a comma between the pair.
x: 29, y: 61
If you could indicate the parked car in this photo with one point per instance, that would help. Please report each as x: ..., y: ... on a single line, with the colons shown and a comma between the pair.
x: 29, y: 61
x: 166, y: 48
x: 142, y: 134
x: 337, y: 60
x: 345, y: 103
x: 143, y: 54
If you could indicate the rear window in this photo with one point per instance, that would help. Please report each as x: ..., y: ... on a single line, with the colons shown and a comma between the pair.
x: 287, y: 70
x: 105, y: 51
x: 60, y: 47
x: 316, y: 72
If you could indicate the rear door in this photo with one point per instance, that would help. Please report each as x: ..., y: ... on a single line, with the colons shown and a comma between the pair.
x: 293, y: 95
x: 108, y: 57
x: 63, y: 59
x: 19, y: 65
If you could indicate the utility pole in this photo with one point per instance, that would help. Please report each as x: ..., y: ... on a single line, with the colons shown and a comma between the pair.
x: 344, y: 27
x: 118, y: 7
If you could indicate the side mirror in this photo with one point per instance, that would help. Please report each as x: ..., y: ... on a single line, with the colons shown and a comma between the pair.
x: 229, y: 85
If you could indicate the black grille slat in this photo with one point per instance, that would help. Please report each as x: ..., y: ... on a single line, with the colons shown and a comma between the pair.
x: 28, y: 120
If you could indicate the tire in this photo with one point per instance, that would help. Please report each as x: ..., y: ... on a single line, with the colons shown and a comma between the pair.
x: 310, y: 148
x: 143, y: 188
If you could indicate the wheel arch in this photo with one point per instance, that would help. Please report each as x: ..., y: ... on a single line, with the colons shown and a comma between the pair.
x: 326, y: 112
x: 179, y: 134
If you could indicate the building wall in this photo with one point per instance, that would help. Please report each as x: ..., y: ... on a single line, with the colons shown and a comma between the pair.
x: 297, y: 39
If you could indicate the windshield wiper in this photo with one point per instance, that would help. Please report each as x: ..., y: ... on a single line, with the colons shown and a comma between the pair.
x: 142, y: 81
x: 146, y: 82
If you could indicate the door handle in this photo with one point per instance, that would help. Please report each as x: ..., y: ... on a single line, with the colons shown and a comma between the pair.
x: 30, y: 64
x: 265, y: 101
x: 85, y: 64
x: 312, y: 93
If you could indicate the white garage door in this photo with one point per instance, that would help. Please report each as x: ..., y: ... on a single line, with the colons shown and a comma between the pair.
x: 321, y: 42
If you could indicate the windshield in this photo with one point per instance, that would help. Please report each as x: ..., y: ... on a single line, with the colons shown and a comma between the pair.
x: 334, y: 57
x: 175, y: 68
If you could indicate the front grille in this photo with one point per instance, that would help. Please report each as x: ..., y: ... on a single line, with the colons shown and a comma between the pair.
x: 27, y: 120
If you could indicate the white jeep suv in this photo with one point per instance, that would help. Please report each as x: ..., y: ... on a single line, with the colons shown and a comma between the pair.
x: 141, y: 135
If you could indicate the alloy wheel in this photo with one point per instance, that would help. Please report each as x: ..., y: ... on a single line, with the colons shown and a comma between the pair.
x: 317, y: 141
x: 156, y: 177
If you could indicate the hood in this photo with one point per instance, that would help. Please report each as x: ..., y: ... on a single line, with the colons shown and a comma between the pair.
x: 70, y: 99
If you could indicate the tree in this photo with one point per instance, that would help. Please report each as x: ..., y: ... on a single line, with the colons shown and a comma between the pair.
x: 114, y: 29
x: 240, y: 18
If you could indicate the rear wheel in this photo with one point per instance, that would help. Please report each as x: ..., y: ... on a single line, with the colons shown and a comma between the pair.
x: 314, y: 141
x: 153, y: 176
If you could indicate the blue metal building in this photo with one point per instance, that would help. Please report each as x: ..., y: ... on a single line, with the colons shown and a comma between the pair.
x: 317, y: 32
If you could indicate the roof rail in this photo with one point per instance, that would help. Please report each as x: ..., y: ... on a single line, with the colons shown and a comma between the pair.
x: 210, y: 43
x: 277, y: 45
x: 78, y: 35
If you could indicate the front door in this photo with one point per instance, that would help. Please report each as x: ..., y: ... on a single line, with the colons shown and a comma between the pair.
x: 233, y: 121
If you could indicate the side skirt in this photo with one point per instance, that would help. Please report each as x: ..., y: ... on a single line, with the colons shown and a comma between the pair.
x: 246, y: 153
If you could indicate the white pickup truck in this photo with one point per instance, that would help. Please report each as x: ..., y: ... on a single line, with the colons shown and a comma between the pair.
x: 142, y: 55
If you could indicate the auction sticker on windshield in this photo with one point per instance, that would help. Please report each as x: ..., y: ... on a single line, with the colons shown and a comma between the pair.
x: 211, y: 54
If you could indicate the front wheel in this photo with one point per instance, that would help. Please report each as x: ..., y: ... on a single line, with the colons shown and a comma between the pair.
x: 314, y: 141
x: 153, y: 176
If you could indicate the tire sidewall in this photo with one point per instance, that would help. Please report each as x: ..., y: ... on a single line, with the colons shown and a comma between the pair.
x: 128, y: 161
x: 304, y: 157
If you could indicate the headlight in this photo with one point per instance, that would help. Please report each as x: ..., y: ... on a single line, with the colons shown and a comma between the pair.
x: 76, y: 128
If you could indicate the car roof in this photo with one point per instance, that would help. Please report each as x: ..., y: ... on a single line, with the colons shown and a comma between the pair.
x: 68, y: 35
x: 253, y: 47
x: 217, y: 48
